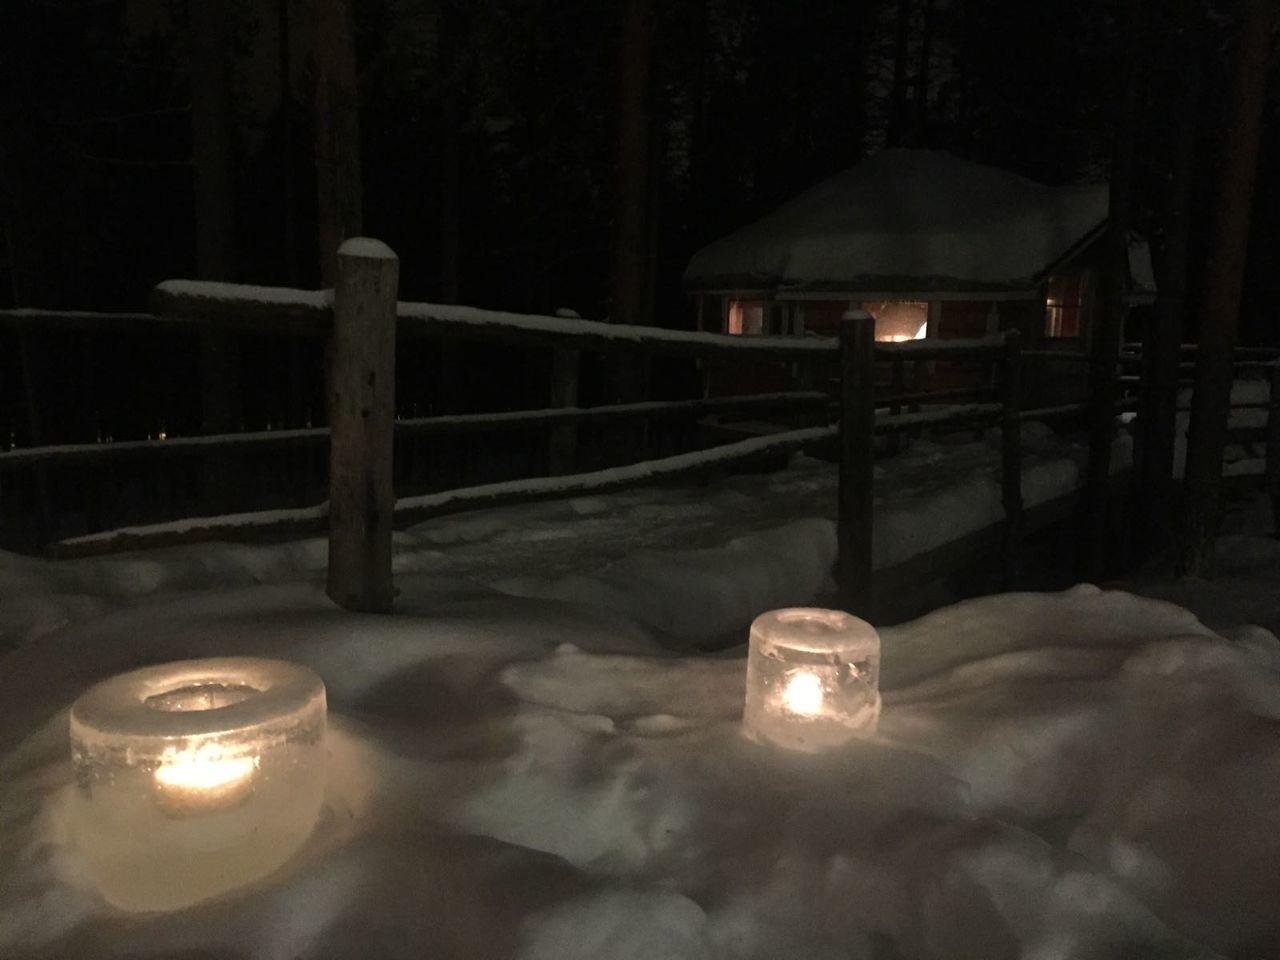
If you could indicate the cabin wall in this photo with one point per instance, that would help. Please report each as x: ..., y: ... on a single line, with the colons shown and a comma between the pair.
x: 964, y: 318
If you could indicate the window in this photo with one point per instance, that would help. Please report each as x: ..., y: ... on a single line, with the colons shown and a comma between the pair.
x: 746, y: 317
x: 899, y: 320
x: 1064, y: 308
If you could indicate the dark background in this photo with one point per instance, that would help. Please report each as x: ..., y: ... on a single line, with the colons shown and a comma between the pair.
x: 752, y: 102
x: 512, y: 109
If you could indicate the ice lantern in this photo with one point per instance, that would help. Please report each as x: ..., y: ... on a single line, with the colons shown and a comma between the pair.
x: 812, y: 679
x: 195, y: 777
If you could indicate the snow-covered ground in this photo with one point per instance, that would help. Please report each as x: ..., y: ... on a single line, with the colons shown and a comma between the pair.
x: 526, y: 761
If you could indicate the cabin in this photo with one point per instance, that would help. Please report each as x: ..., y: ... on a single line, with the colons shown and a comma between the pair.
x: 931, y: 245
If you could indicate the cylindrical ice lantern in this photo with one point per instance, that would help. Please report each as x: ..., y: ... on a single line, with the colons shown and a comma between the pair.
x: 812, y: 679
x: 195, y: 777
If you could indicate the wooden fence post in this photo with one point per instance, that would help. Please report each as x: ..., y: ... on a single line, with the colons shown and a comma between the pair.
x: 1273, y: 447
x: 362, y: 392
x: 562, y: 451
x: 857, y: 460
x: 1011, y: 454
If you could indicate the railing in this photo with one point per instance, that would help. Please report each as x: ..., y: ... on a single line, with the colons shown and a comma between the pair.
x: 1262, y: 365
x: 361, y: 322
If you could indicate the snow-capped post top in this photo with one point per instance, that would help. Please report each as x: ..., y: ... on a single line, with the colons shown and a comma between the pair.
x: 367, y: 248
x: 195, y: 777
x: 812, y: 679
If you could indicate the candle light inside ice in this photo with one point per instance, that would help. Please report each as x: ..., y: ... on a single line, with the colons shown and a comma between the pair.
x: 196, y: 777
x: 203, y: 779
x: 803, y: 694
x: 812, y: 679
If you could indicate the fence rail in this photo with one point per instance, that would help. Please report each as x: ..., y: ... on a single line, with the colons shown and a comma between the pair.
x: 880, y: 397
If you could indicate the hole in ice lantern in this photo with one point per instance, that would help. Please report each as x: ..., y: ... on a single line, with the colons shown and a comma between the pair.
x: 196, y: 777
x: 812, y: 679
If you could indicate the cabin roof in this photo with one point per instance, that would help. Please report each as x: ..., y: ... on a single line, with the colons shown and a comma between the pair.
x: 919, y: 219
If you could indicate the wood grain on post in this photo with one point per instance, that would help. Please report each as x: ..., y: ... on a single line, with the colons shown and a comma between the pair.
x: 361, y: 393
x: 1011, y: 455
x: 857, y: 460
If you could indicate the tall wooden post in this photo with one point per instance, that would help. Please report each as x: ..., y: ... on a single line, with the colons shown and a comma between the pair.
x: 362, y: 391
x: 1011, y: 454
x: 857, y: 460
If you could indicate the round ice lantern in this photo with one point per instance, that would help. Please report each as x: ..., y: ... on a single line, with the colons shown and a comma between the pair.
x: 195, y: 777
x: 812, y: 679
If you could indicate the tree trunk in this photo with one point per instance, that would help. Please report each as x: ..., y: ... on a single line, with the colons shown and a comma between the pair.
x: 1220, y: 316
x: 337, y: 133
x: 1112, y: 293
x: 452, y: 39
x: 212, y: 140
x: 213, y: 156
x: 920, y: 118
x: 898, y: 96
x: 632, y: 235
x: 288, y: 120
x: 452, y: 379
x: 1158, y: 416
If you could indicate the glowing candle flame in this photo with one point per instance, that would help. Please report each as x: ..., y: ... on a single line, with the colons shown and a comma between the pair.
x: 803, y: 694
x: 203, y: 780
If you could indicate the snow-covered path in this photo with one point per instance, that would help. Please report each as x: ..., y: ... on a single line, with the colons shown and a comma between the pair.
x: 521, y: 767
x: 748, y: 541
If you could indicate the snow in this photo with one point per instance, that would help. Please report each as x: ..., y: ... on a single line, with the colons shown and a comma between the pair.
x: 915, y: 218
x: 1085, y: 774
x: 913, y: 221
x: 1238, y: 459
x: 367, y: 248
x: 216, y: 290
x: 631, y: 333
x: 938, y: 490
x: 921, y: 345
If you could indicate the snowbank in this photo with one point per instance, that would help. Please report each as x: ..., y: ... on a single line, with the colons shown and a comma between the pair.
x: 1088, y: 774
x: 1083, y: 774
x: 723, y: 552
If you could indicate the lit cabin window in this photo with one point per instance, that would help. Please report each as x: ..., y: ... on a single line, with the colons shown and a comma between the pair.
x: 746, y: 317
x: 899, y: 320
x: 1065, y: 305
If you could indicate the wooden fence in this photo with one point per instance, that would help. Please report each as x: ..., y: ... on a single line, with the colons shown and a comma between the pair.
x: 879, y: 394
x: 1259, y: 364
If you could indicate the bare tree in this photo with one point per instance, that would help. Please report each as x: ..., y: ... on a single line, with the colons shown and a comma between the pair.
x: 337, y: 132
x: 1113, y: 286
x: 1163, y: 338
x: 213, y: 159
x: 632, y: 235
x: 1220, y: 315
x: 895, y: 136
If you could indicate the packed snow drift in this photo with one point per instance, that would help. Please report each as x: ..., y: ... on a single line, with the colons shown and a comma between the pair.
x: 1084, y: 774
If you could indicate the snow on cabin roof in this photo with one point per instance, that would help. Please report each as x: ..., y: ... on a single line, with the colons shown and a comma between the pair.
x: 906, y: 219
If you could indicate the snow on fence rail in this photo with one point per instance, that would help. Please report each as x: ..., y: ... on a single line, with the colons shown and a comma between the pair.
x: 310, y: 520
x: 364, y: 308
